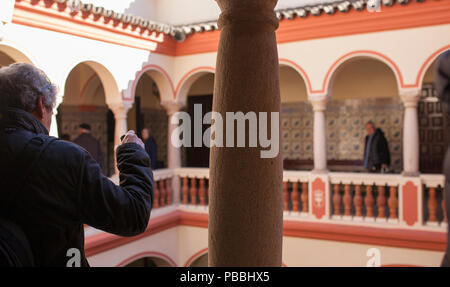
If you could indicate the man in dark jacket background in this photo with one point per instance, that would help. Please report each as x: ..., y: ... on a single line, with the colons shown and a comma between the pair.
x: 376, y: 150
x: 49, y: 188
x: 442, y: 84
x: 89, y: 143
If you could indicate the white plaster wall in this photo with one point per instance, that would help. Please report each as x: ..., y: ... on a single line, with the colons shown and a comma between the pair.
x: 183, y: 242
x: 301, y: 252
x: 165, y: 242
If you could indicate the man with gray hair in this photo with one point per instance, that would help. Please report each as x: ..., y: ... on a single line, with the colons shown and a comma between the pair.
x: 49, y: 188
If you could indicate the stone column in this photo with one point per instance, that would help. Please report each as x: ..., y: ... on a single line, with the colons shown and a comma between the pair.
x: 410, y: 100
x: 173, y: 152
x: 246, y: 207
x: 120, y: 114
x: 319, y: 103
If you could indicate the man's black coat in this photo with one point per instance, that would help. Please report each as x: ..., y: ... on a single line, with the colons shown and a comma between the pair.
x: 66, y: 189
x: 379, y: 151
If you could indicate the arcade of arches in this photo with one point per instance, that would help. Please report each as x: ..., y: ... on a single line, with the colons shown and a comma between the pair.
x: 362, y: 89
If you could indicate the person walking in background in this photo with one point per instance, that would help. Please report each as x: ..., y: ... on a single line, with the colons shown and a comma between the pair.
x: 89, y: 143
x: 376, y: 150
x: 442, y: 81
x: 150, y: 146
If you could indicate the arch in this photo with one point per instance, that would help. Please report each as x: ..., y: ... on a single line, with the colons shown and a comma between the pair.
x: 147, y: 254
x: 15, y: 54
x: 300, y: 70
x: 293, y: 87
x: 161, y: 78
x: 327, y: 82
x: 183, y: 87
x: 111, y: 89
x: 196, y: 255
x: 427, y: 64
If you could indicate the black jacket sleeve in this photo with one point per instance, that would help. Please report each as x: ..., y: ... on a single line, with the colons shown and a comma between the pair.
x: 383, y: 151
x: 122, y: 210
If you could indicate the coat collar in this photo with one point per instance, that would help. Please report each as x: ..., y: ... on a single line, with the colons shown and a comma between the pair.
x: 20, y: 119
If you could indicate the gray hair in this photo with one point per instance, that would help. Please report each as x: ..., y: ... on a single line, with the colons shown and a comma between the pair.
x: 371, y: 123
x: 22, y: 84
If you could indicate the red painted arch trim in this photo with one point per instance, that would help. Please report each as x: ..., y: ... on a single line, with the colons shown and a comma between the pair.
x: 83, y: 90
x: 196, y: 255
x: 145, y: 69
x: 427, y: 63
x: 189, y: 74
x: 300, y: 70
x: 369, y: 53
x: 147, y: 254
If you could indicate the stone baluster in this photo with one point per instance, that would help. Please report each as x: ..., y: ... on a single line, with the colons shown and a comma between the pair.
x: 393, y: 203
x: 347, y: 201
x: 184, y: 191
x: 369, y: 202
x: 305, y: 203
x: 358, y: 201
x: 193, y: 191
x: 432, y: 205
x: 336, y: 200
x: 381, y: 202
x: 202, y: 192
x: 169, y: 191
x: 295, y: 196
x: 285, y: 196
x: 156, y: 196
x: 162, y: 192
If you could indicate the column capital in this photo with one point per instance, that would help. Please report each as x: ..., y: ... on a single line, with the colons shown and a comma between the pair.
x: 119, y: 110
x: 410, y: 97
x: 242, y: 13
x: 172, y: 107
x: 319, y: 102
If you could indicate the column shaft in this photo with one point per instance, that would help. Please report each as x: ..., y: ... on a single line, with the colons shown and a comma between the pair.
x: 410, y: 133
x: 319, y: 104
x: 246, y: 210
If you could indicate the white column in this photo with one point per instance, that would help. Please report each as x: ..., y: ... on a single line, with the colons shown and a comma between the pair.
x: 120, y: 114
x: 410, y: 100
x: 173, y: 152
x: 319, y: 104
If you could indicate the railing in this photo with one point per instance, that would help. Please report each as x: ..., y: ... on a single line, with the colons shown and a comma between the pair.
x: 434, y: 200
x: 355, y: 198
x: 365, y: 197
x: 162, y: 190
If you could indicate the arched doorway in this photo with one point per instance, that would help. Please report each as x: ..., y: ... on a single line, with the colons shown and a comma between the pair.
x: 434, y: 125
x: 85, y: 102
x: 362, y: 89
x: 200, y: 93
x: 147, y: 112
x: 296, y: 121
x: 149, y: 262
